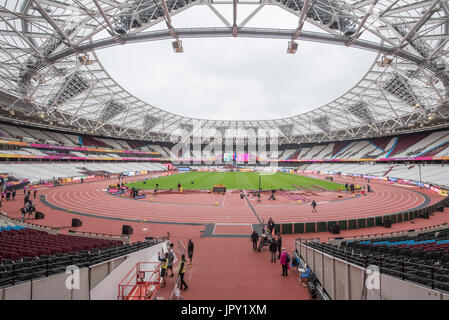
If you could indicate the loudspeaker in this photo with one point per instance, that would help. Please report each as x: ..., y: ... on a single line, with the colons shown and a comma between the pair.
x: 76, y: 222
x: 387, y: 223
x: 127, y: 230
x: 39, y: 215
x: 425, y: 215
x: 334, y: 229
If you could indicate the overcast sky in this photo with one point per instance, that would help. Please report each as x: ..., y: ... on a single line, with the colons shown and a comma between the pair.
x: 236, y: 78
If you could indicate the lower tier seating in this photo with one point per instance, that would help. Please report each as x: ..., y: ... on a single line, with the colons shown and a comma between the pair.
x: 423, y: 258
x: 29, y: 254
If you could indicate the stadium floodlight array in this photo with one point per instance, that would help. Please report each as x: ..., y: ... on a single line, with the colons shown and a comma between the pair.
x: 322, y: 123
x: 361, y: 111
x: 111, y: 109
x: 74, y: 85
x: 398, y: 86
x: 149, y: 122
x: 327, y: 12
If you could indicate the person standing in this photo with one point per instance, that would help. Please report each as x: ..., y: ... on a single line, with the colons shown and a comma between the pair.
x: 182, y: 271
x: 279, y: 245
x: 164, y: 266
x: 35, y: 193
x: 273, y: 249
x: 254, y: 239
x: 285, y: 260
x: 24, y: 190
x: 314, y: 206
x: 24, y: 211
x: 171, y: 258
x: 270, y: 224
x: 14, y: 194
x: 190, y: 247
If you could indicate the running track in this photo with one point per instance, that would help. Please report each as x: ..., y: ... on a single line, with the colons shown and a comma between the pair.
x: 91, y: 199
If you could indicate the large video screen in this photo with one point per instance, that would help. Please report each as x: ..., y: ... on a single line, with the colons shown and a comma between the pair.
x: 228, y: 157
x: 242, y: 157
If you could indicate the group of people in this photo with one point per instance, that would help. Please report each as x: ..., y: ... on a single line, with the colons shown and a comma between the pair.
x: 351, y: 187
x: 8, y: 194
x: 167, y: 260
x: 29, y: 206
x: 275, y: 247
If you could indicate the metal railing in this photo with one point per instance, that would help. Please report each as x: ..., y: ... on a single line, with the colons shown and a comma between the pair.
x: 403, y: 269
x: 14, y: 272
x: 383, y: 234
x: 144, y: 275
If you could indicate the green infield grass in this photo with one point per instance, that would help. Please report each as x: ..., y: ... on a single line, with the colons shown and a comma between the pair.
x: 234, y: 180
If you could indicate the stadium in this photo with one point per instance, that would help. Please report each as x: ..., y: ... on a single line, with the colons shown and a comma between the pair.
x: 105, y: 196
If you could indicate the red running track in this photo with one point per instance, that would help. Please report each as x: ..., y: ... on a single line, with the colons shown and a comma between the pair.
x: 92, y: 199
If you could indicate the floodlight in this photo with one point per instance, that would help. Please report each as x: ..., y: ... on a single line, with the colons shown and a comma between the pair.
x: 177, y: 46
x: 292, y: 47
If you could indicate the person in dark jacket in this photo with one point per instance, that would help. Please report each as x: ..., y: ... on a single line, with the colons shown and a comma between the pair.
x: 279, y: 245
x: 181, y: 272
x: 273, y: 249
x: 34, y: 193
x: 164, y: 266
x: 24, y: 211
x: 314, y: 206
x: 254, y: 239
x: 270, y: 224
x: 190, y: 251
x: 14, y: 194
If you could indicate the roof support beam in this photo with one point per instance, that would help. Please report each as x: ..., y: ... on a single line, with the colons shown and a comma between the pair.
x: 252, y: 14
x: 302, y: 19
x: 55, y: 26
x: 168, y: 20
x: 111, y: 28
x: 218, y: 14
x: 234, y: 15
x: 19, y: 34
x: 426, y: 16
x: 359, y: 31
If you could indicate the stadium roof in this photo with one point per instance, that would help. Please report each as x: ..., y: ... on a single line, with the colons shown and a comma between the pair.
x: 49, y: 72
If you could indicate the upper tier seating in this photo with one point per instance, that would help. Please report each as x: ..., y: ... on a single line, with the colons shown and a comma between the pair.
x: 92, y: 142
x: 431, y: 173
x: 36, y: 171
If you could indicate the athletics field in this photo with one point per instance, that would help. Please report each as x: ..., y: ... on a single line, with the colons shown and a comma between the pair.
x: 235, y: 180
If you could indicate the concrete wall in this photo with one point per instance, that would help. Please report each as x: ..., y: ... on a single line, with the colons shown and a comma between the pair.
x: 345, y: 281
